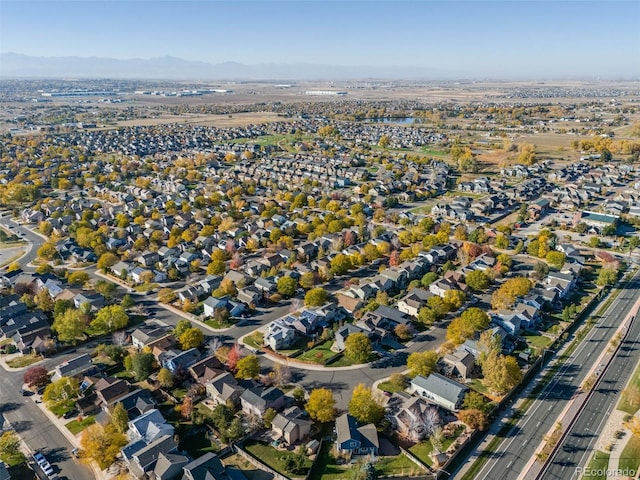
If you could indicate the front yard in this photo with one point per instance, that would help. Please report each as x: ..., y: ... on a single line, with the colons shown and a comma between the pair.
x: 76, y: 426
x: 23, y: 361
x: 318, y: 354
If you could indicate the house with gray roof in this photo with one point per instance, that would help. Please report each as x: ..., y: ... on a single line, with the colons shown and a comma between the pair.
x: 73, y: 367
x: 291, y: 425
x: 258, y: 400
x: 440, y: 390
x: 224, y: 388
x: 356, y: 440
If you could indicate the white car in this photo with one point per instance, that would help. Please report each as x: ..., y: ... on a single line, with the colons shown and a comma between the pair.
x: 47, y: 469
x: 39, y: 458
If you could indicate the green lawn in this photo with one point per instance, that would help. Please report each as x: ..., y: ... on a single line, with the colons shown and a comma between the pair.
x: 477, y: 385
x: 76, y: 427
x: 272, y: 457
x: 630, y: 399
x: 318, y: 354
x: 399, y: 465
x: 326, y: 467
x: 218, y: 324
x: 13, y: 460
x: 422, y: 450
x: 198, y: 444
x: 255, y: 340
x: 537, y: 342
x: 60, y: 410
x: 433, y: 152
x: 599, y: 461
x: 630, y: 456
x: 24, y: 361
x: 389, y: 387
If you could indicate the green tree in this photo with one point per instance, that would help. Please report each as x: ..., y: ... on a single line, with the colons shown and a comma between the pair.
x: 269, y: 415
x: 315, y: 297
x: 556, y: 259
x: 120, y: 418
x: 106, y: 261
x: 68, y: 325
x: 364, y: 407
x: 341, y: 264
x: 287, y: 286
x: 78, y: 278
x: 61, y: 392
x: 477, y: 280
x: 43, y: 300
x: 216, y: 267
x: 422, y: 363
x: 191, y: 338
x: 428, y: 278
x: 10, y: 447
x: 307, y: 280
x: 167, y: 295
x: 321, y: 405
x: 165, y: 378
x: 248, y: 367
x: 476, y: 401
x: 105, y: 288
x: 110, y: 319
x: 438, y: 305
x: 357, y: 348
x: 454, y: 298
x: 607, y: 276
x: 47, y: 251
x: 594, y: 242
x: 426, y: 316
x: 142, y: 365
x: 501, y: 373
x: 182, y: 326
x: 127, y: 302
x: 102, y: 444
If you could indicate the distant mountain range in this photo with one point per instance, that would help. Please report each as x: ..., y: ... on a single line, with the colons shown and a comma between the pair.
x: 15, y: 65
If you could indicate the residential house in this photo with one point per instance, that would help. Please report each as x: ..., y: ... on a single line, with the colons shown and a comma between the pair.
x: 258, y: 400
x: 224, y: 388
x: 168, y: 466
x: 209, y: 467
x: 407, y: 415
x: 352, y: 439
x: 173, y: 360
x: 342, y: 333
x: 459, y: 363
x: 144, y: 335
x: 440, y: 390
x: 279, y: 335
x: 74, y: 367
x: 206, y: 369
x: 292, y: 425
x: 413, y: 301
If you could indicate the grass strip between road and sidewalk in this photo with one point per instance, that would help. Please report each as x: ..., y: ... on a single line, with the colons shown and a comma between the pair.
x: 599, y: 463
x: 519, y: 412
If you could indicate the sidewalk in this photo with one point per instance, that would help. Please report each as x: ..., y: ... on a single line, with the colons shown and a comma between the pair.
x: 60, y: 424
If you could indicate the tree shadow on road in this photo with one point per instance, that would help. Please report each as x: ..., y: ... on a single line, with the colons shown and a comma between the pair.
x: 22, y: 425
x: 9, y: 407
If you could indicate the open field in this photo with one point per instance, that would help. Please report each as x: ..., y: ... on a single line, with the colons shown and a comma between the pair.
x: 226, y: 121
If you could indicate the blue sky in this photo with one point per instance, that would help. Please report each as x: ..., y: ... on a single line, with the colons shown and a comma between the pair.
x: 541, y: 38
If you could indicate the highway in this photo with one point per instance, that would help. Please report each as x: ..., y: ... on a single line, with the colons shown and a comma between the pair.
x: 520, y: 444
x: 575, y: 451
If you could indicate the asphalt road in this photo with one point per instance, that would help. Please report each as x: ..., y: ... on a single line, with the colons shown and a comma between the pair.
x: 575, y: 451
x: 516, y: 450
x: 34, y: 427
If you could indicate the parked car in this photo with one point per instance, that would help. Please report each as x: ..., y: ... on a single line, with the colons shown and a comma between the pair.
x: 40, y: 458
x: 69, y: 414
